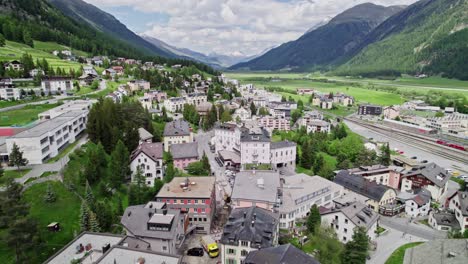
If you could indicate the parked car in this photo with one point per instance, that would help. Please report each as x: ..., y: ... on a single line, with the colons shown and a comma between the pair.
x: 197, y: 252
x: 463, y: 177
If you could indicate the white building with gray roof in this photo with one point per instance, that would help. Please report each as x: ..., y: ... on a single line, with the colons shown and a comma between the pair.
x: 177, y: 132
x: 248, y: 229
x: 345, y: 219
x: 47, y: 138
x: 300, y: 192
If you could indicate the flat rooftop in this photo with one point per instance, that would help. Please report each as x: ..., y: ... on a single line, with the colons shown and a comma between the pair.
x: 96, y: 240
x: 256, y: 186
x: 200, y: 187
x: 131, y: 256
x: 48, y: 125
x: 161, y: 219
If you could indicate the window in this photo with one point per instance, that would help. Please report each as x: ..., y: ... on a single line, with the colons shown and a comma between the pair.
x: 203, y: 210
x: 346, y: 230
x: 231, y: 261
x: 164, y: 248
x: 231, y: 251
x: 336, y: 217
x: 344, y: 238
x: 195, y: 201
x: 346, y: 221
x: 244, y: 243
x: 244, y: 253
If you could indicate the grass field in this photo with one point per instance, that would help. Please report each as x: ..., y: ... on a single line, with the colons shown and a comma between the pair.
x: 14, y: 51
x: 24, y: 116
x: 399, y: 254
x: 292, y: 82
x: 12, y: 174
x: 64, y: 210
x: 49, y: 47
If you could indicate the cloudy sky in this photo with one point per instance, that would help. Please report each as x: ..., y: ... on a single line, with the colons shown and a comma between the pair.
x: 229, y: 27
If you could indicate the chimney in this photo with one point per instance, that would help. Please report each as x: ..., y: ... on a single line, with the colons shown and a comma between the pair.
x: 253, y: 223
x: 245, y: 215
x: 150, y: 215
x: 255, y: 216
x: 164, y: 211
x: 105, y: 248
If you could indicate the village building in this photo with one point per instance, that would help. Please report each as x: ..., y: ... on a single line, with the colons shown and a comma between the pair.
x: 195, y: 197
x: 458, y: 203
x: 279, y: 255
x: 377, y: 196
x: 375, y: 110
x: 273, y: 123
x: 321, y: 126
x: 56, y: 84
x: 148, y: 157
x: 248, y: 229
x: 344, y: 220
x: 162, y: 228
x: 177, y: 132
x: 138, y: 85
x: 256, y: 188
x: 184, y: 154
x: 13, y: 66
x: 430, y: 176
x: 391, y: 112
x: 300, y: 192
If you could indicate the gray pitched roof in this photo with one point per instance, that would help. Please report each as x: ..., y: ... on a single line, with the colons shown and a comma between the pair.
x: 446, y: 219
x: 253, y: 224
x: 284, y: 254
x: 136, y: 218
x: 177, y: 128
x: 432, y: 172
x: 360, y: 185
x: 153, y: 150
x: 358, y: 213
x: 463, y: 197
x: 282, y: 144
x: 441, y: 251
x: 144, y: 134
x: 185, y: 150
x: 255, y: 135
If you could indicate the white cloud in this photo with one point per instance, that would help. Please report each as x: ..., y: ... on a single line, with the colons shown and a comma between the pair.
x: 234, y: 26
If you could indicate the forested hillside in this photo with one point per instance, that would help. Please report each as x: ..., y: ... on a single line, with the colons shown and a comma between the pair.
x: 24, y: 21
x: 326, y: 44
x: 429, y: 36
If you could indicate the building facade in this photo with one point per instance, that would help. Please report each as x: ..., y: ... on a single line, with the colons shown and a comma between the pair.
x: 195, y: 197
x: 177, y: 132
x: 149, y: 158
x: 56, y: 85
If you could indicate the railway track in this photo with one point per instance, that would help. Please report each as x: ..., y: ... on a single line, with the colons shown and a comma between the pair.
x: 417, y: 141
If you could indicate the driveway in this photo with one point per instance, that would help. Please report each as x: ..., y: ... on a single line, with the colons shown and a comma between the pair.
x: 389, y: 242
x: 194, y: 241
x: 409, y: 228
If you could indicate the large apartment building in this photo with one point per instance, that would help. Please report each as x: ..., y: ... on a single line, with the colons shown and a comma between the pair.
x: 148, y: 157
x: 177, y: 132
x: 56, y: 84
x: 47, y: 138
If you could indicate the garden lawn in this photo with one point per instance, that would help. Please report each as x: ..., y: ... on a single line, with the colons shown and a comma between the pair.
x: 399, y: 254
x: 23, y: 116
x: 65, y: 210
x: 12, y: 174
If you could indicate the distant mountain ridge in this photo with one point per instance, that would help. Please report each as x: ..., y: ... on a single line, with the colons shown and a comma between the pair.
x: 218, y: 61
x: 107, y: 23
x: 325, y: 44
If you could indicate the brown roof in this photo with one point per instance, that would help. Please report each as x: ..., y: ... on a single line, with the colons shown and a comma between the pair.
x: 153, y: 150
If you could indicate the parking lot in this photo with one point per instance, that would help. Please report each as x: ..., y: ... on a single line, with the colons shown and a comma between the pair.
x: 194, y: 241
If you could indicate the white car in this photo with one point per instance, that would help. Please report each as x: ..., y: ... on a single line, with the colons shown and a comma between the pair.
x: 463, y: 177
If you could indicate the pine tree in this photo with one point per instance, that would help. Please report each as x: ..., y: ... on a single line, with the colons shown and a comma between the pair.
x: 2, y: 40
x: 306, y: 156
x: 385, y: 157
x: 318, y: 164
x: 170, y: 173
x: 16, y: 157
x: 93, y: 222
x: 119, y: 164
x: 356, y: 250
x: 253, y: 109
x: 313, y: 220
x: 50, y: 196
x: 84, y: 216
x: 206, y: 162
x: 89, y: 197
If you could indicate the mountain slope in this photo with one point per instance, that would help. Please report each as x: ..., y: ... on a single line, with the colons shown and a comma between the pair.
x: 325, y: 44
x: 102, y: 21
x: 429, y: 36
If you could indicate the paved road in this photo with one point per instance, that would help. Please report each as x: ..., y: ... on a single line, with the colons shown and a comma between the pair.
x: 410, y: 228
x: 203, y: 138
x: 389, y: 242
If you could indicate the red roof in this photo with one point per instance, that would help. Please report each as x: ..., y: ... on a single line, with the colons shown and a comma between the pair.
x: 7, y: 132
